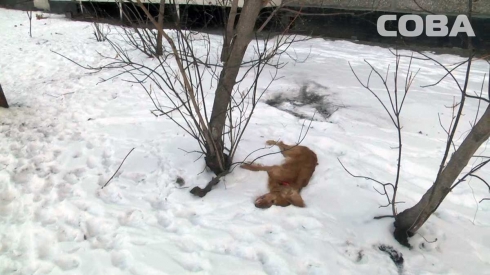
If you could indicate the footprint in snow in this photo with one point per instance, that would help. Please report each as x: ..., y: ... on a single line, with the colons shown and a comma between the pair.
x: 272, y: 263
x: 190, y: 245
x: 98, y: 226
x: 193, y: 262
x: 77, y: 154
x: 45, y: 245
x: 276, y: 237
x: 70, y: 178
x: 69, y: 234
x: 135, y: 176
x: 244, y: 251
x: 107, y: 154
x: 56, y: 153
x: 107, y: 161
x: 78, y: 172
x: 39, y: 267
x: 64, y: 191
x: 133, y: 218
x: 41, y: 160
x: 23, y: 174
x: 91, y: 162
x: 243, y: 235
x: 61, y: 137
x: 304, y: 222
x: 165, y: 219
x: 42, y: 172
x: 67, y: 262
x: 33, y: 149
x: 49, y: 184
x: 158, y: 204
x: 54, y: 169
x: 10, y: 267
x: 77, y: 136
x: 139, y: 269
x: 110, y: 194
x: 121, y: 259
x: 108, y: 242
x: 89, y: 145
x: 292, y: 248
x: 92, y: 208
x: 45, y: 215
x: 8, y: 195
x: 315, y: 268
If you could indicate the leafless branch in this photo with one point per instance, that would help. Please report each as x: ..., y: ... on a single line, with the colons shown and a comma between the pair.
x: 383, y: 216
x: 393, y: 110
x: 384, y: 185
x: 117, y: 169
x: 472, y: 172
x: 421, y: 8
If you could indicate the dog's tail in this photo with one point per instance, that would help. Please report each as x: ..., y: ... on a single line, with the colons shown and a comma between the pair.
x: 254, y: 167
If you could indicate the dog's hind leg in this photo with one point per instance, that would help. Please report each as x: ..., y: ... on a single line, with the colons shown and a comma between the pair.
x: 282, y: 146
x: 304, y: 177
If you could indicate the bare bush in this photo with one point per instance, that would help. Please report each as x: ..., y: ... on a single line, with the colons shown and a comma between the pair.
x: 179, y: 80
x: 101, y: 31
x: 455, y: 158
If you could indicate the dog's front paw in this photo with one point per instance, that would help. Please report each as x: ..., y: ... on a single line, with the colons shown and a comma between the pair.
x: 271, y: 142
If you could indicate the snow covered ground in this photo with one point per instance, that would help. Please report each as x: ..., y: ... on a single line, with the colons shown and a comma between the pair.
x: 65, y: 135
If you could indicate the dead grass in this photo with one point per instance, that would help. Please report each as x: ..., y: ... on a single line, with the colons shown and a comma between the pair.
x: 310, y: 95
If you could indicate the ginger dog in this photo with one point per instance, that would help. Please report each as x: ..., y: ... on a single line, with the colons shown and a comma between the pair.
x: 286, y: 180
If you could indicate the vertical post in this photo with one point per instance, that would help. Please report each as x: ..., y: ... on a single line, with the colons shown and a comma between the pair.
x: 81, y: 6
x: 121, y: 10
x: 3, y: 99
x: 29, y: 15
x: 177, y: 11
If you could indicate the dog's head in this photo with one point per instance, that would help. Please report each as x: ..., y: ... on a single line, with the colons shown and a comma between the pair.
x: 280, y: 198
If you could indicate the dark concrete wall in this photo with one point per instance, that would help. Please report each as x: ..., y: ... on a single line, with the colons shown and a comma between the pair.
x: 63, y: 7
x: 18, y: 4
x: 481, y: 8
x: 362, y: 26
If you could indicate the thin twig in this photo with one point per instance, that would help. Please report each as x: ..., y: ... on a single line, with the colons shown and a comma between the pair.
x: 383, y: 216
x: 117, y: 169
x: 375, y: 180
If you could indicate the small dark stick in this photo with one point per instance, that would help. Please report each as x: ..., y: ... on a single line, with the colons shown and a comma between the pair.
x: 382, y: 217
x: 198, y: 191
x: 3, y: 99
x: 117, y: 169
x: 29, y: 14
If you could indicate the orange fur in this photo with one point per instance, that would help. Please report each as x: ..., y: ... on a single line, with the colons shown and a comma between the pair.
x: 286, y: 180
